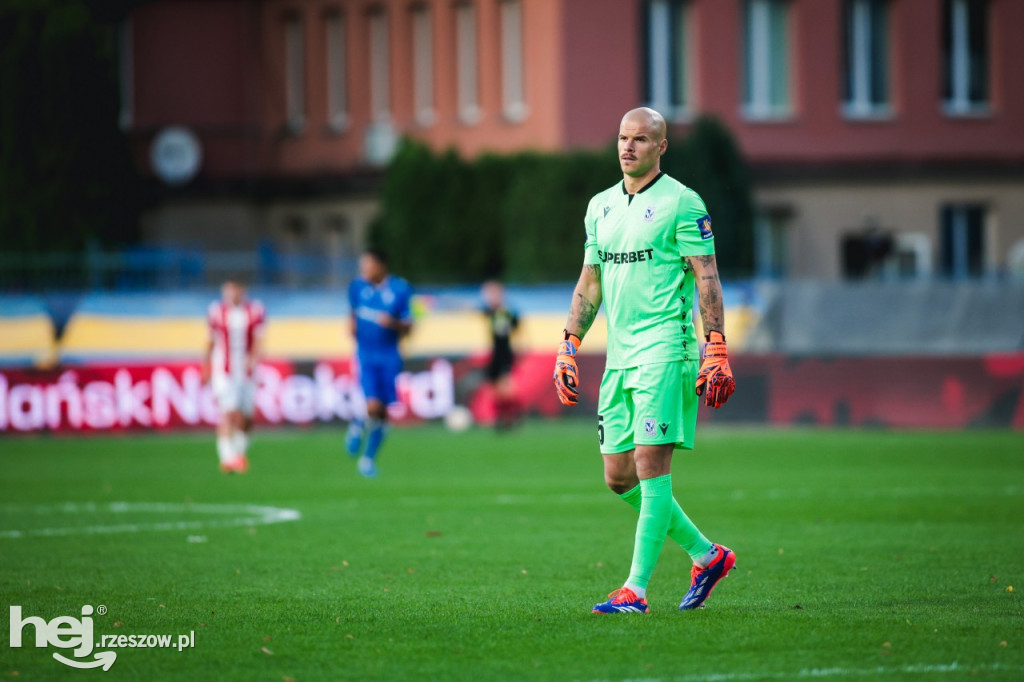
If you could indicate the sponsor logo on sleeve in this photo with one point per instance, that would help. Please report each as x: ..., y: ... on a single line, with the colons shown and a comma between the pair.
x: 704, y: 225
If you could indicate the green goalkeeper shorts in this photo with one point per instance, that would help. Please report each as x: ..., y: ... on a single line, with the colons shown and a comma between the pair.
x: 648, y: 405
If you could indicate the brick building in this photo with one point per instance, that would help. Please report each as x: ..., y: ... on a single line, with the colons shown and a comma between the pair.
x: 885, y: 135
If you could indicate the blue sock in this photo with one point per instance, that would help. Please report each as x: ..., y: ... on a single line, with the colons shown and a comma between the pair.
x: 375, y: 436
x: 354, y: 437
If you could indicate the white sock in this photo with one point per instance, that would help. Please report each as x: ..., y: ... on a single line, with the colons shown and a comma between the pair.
x: 641, y: 592
x: 240, y: 441
x: 225, y: 452
x: 706, y: 560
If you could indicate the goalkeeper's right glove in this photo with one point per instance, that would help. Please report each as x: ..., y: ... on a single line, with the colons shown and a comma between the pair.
x: 566, y: 373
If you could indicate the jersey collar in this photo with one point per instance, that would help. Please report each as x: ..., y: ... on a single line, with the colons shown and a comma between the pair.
x: 644, y: 188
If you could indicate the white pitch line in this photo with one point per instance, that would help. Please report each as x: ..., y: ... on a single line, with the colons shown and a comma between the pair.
x: 820, y: 673
x: 237, y: 515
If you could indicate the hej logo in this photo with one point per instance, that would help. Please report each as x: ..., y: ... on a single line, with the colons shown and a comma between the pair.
x: 64, y: 632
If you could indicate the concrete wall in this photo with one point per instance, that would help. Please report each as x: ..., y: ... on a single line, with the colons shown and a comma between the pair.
x: 822, y: 212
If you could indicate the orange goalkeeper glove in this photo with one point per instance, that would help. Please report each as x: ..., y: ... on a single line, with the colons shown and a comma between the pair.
x: 715, y: 376
x: 566, y: 373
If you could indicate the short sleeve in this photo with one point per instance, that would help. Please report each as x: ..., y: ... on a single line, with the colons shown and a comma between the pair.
x: 353, y: 295
x: 212, y: 319
x: 693, y: 226
x: 259, y: 318
x: 590, y: 250
x: 403, y: 303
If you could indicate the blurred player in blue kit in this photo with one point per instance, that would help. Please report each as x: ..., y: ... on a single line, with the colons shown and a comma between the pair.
x: 381, y: 316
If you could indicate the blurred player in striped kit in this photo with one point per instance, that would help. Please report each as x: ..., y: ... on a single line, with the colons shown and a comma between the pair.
x: 232, y: 355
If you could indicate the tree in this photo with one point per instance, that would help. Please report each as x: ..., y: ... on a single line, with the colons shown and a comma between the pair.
x: 709, y: 161
x: 520, y: 216
x: 66, y: 175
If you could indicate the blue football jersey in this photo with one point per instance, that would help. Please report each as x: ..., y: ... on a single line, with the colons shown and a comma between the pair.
x: 369, y: 302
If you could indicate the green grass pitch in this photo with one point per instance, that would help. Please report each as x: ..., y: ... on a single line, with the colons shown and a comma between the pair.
x: 476, y: 556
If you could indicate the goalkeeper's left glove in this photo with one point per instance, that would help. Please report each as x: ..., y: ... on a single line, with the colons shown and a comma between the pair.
x: 715, y: 376
x: 566, y: 373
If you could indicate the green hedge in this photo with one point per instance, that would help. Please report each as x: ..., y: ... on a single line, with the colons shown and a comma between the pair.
x: 520, y: 217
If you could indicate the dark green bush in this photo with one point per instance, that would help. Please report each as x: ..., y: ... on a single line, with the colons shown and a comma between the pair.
x: 446, y: 219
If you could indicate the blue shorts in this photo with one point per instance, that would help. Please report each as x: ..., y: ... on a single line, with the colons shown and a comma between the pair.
x: 377, y: 377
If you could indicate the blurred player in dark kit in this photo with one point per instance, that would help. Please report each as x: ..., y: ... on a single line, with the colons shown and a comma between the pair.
x: 502, y: 322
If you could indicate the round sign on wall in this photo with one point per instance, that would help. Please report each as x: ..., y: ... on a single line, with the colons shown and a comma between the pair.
x: 176, y: 155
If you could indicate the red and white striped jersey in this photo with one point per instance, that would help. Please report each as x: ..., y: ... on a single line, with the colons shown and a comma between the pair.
x: 234, y: 331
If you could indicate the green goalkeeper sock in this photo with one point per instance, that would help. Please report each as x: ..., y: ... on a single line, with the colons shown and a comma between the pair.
x: 655, y: 515
x: 680, y: 527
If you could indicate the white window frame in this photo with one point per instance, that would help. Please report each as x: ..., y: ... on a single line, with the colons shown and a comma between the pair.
x: 513, y: 91
x: 338, y: 117
x: 757, y: 103
x: 295, y: 73
x: 423, y: 65
x: 661, y: 32
x: 466, y: 56
x: 380, y: 66
x: 859, y: 104
x: 959, y: 56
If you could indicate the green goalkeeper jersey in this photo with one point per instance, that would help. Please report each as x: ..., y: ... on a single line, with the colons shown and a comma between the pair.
x: 640, y: 243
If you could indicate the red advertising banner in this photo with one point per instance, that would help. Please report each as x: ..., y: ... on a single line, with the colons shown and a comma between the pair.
x: 929, y: 392
x: 172, y: 395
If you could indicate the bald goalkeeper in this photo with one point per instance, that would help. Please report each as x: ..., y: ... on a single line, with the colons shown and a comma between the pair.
x: 649, y: 251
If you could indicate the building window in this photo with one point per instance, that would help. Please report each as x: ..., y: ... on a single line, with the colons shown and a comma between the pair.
x: 466, y: 63
x: 766, y: 59
x: 294, y: 73
x: 866, y: 84
x: 423, y: 65
x: 380, y: 67
x: 772, y: 242
x: 911, y: 256
x: 513, y: 98
x: 126, y: 74
x: 962, y: 240
x: 513, y: 93
x: 337, y: 74
x: 965, y: 44
x: 669, y: 63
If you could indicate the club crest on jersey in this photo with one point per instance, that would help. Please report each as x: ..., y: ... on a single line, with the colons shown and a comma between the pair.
x: 649, y: 426
x: 704, y: 225
x: 649, y: 214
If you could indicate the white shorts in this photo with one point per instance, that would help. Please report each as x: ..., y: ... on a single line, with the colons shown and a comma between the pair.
x: 234, y: 394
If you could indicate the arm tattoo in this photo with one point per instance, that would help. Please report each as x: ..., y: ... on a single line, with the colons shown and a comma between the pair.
x: 581, y: 314
x: 709, y: 292
x: 583, y: 309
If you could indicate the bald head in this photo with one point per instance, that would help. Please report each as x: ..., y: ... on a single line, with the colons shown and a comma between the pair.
x: 651, y: 120
x: 641, y: 144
